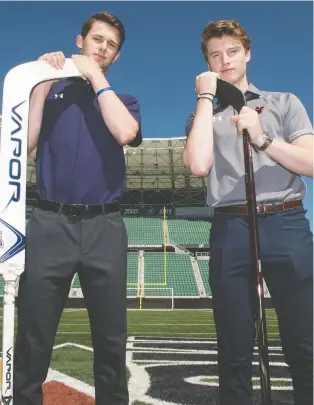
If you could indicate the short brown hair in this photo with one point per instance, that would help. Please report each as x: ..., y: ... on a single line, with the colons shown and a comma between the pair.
x: 220, y: 28
x: 106, y: 17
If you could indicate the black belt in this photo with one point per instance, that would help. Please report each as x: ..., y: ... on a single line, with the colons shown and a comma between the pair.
x: 261, y: 208
x: 79, y: 210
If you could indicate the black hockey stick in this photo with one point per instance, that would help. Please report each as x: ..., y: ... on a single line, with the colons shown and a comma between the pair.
x: 230, y: 95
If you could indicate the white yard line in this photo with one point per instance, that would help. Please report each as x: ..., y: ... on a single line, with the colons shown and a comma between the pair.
x: 54, y: 375
x: 198, y: 381
x: 156, y: 363
x: 184, y: 351
x: 139, y: 382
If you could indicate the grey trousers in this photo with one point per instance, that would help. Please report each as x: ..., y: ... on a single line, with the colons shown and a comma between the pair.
x: 58, y: 246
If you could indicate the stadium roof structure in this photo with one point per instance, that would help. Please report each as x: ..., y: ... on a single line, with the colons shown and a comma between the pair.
x: 155, y: 165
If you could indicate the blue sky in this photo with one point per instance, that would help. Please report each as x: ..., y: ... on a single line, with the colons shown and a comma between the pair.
x: 162, y: 57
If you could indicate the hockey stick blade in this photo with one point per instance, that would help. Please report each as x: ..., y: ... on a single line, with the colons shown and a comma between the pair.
x: 230, y: 95
x: 18, y: 85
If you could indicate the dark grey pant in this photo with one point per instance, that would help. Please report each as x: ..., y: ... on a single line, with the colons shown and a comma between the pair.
x: 57, y: 247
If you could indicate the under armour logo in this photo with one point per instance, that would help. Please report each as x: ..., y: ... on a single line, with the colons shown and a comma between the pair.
x: 59, y: 95
x: 259, y: 110
x: 218, y: 118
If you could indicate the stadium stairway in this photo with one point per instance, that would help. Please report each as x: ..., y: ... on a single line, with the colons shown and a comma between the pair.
x: 198, y: 277
x: 141, y: 267
x: 133, y: 272
x: 203, y: 265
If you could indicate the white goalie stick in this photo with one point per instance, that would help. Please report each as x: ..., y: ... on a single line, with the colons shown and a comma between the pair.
x: 18, y: 85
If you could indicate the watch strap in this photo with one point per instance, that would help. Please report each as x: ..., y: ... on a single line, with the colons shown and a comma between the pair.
x: 268, y: 139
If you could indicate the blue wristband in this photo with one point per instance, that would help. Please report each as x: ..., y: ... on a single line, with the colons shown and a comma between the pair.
x: 102, y: 90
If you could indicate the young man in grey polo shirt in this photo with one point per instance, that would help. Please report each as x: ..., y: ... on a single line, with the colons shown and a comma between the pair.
x: 79, y: 127
x: 282, y: 138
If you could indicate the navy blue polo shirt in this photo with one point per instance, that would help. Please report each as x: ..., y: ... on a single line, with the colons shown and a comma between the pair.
x: 78, y: 161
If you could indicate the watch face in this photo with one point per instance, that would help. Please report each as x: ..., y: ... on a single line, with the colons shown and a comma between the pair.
x: 267, y: 140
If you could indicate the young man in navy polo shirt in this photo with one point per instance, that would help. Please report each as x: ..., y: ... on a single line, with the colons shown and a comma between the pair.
x: 282, y: 138
x: 79, y: 127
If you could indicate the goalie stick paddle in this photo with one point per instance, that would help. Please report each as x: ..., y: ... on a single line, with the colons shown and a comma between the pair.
x: 18, y: 85
x: 230, y: 95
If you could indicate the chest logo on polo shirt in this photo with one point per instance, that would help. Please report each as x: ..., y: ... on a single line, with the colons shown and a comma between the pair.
x: 259, y: 110
x: 59, y: 95
x: 217, y: 118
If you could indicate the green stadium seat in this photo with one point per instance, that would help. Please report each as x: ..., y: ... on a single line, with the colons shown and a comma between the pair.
x: 179, y: 273
x: 144, y: 231
x: 76, y: 282
x: 132, y: 274
x: 186, y: 232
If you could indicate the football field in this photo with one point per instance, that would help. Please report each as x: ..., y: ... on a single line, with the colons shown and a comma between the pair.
x: 171, y: 360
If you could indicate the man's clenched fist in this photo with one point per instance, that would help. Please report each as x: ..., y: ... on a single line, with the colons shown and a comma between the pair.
x: 206, y: 83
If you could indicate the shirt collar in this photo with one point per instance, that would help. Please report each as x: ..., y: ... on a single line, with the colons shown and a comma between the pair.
x: 253, y: 91
x: 79, y: 81
x: 75, y: 80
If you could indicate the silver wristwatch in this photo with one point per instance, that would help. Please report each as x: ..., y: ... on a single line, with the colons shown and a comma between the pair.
x: 267, y: 138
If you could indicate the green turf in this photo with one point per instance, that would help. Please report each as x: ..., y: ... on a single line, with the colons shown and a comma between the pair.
x: 190, y: 323
x: 74, y: 325
x: 75, y: 362
x: 74, y: 328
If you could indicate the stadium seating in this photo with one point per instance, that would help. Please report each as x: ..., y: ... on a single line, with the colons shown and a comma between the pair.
x: 183, y: 231
x: 132, y: 274
x: 179, y: 273
x: 76, y: 282
x: 144, y: 231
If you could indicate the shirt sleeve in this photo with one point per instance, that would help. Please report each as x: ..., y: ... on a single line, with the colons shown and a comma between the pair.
x: 296, y: 120
x: 188, y: 125
x: 134, y: 109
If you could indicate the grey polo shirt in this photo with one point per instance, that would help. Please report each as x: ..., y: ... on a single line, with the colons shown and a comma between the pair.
x: 282, y: 115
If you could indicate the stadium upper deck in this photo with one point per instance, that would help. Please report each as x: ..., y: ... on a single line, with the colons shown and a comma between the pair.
x: 155, y: 175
